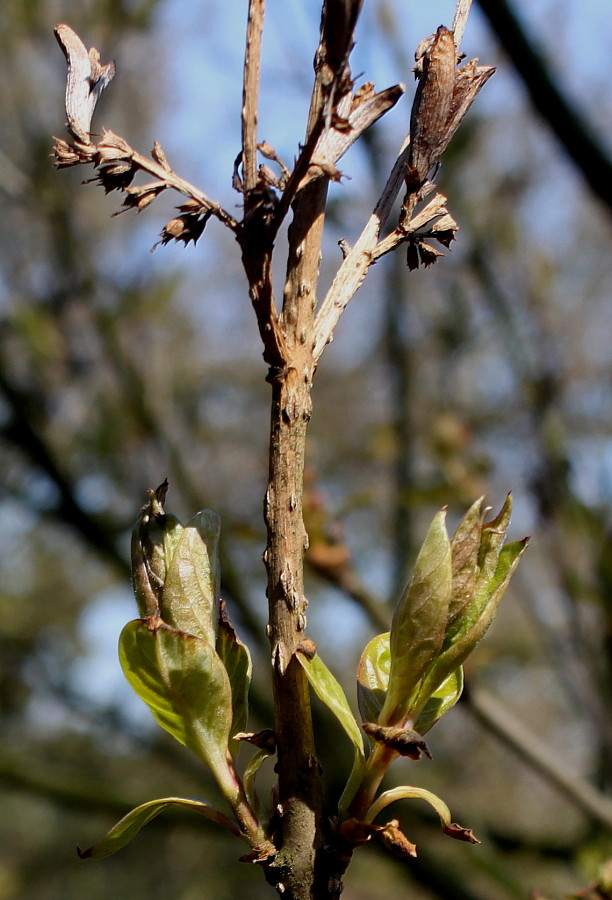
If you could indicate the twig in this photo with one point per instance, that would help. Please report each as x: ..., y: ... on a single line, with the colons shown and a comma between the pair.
x: 250, y: 92
x: 530, y: 749
x: 117, y: 163
x: 327, y: 144
x: 355, y: 266
x: 183, y: 187
x: 460, y: 20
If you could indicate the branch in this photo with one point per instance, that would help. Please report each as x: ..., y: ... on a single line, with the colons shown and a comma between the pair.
x: 460, y: 20
x: 117, y: 163
x: 353, y: 270
x: 522, y: 741
x: 326, y: 145
x: 443, y: 98
x: 250, y: 92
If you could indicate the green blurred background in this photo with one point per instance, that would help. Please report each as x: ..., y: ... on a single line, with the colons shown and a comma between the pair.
x: 490, y: 372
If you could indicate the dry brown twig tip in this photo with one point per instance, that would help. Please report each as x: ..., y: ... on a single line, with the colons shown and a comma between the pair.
x: 86, y: 79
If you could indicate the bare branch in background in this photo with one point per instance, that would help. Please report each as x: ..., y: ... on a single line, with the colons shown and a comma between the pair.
x: 568, y: 123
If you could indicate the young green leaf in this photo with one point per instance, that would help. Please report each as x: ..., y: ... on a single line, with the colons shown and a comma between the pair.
x: 236, y: 658
x: 465, y: 546
x: 373, y: 681
x: 493, y: 537
x: 419, y: 622
x: 327, y: 689
x: 129, y: 826
x: 191, y: 590
x: 184, y: 683
x: 442, y: 699
x: 153, y: 540
x: 248, y: 778
x: 476, y: 620
x: 373, y: 677
x: 406, y: 792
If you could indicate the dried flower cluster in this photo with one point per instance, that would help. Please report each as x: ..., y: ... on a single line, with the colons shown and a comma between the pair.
x: 443, y: 97
x: 117, y: 165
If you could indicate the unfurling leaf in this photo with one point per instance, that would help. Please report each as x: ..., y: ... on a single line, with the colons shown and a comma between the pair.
x: 189, y: 600
x: 373, y: 681
x: 236, y: 658
x: 154, y: 538
x: 413, y: 675
x: 129, y: 826
x: 183, y: 681
x: 175, y: 569
x: 442, y: 699
x: 327, y: 689
x: 373, y: 677
x: 419, y: 623
x: 478, y: 618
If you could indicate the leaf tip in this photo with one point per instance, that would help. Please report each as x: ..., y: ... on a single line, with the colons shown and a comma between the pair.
x: 461, y: 834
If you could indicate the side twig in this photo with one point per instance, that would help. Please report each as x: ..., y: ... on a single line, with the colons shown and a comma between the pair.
x: 250, y: 92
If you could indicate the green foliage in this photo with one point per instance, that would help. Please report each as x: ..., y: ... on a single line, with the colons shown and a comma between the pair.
x: 440, y: 701
x: 129, y: 826
x: 186, y: 662
x: 373, y: 682
x: 236, y: 658
x: 373, y: 677
x: 183, y: 682
x: 189, y: 600
x: 445, y: 611
x: 327, y: 689
x: 419, y: 622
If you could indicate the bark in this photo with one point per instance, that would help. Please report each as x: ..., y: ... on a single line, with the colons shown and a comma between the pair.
x: 300, y: 805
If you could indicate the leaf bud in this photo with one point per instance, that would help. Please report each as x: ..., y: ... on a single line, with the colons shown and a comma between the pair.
x: 153, y: 538
x: 411, y: 676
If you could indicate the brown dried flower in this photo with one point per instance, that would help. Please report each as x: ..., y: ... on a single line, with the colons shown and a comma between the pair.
x: 140, y: 197
x: 443, y: 97
x: 66, y: 154
x: 395, y: 840
x: 187, y: 227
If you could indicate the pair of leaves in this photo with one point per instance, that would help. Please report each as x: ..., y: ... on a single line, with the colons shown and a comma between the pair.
x: 176, y: 581
x: 198, y: 695
x: 373, y: 683
x: 442, y: 615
